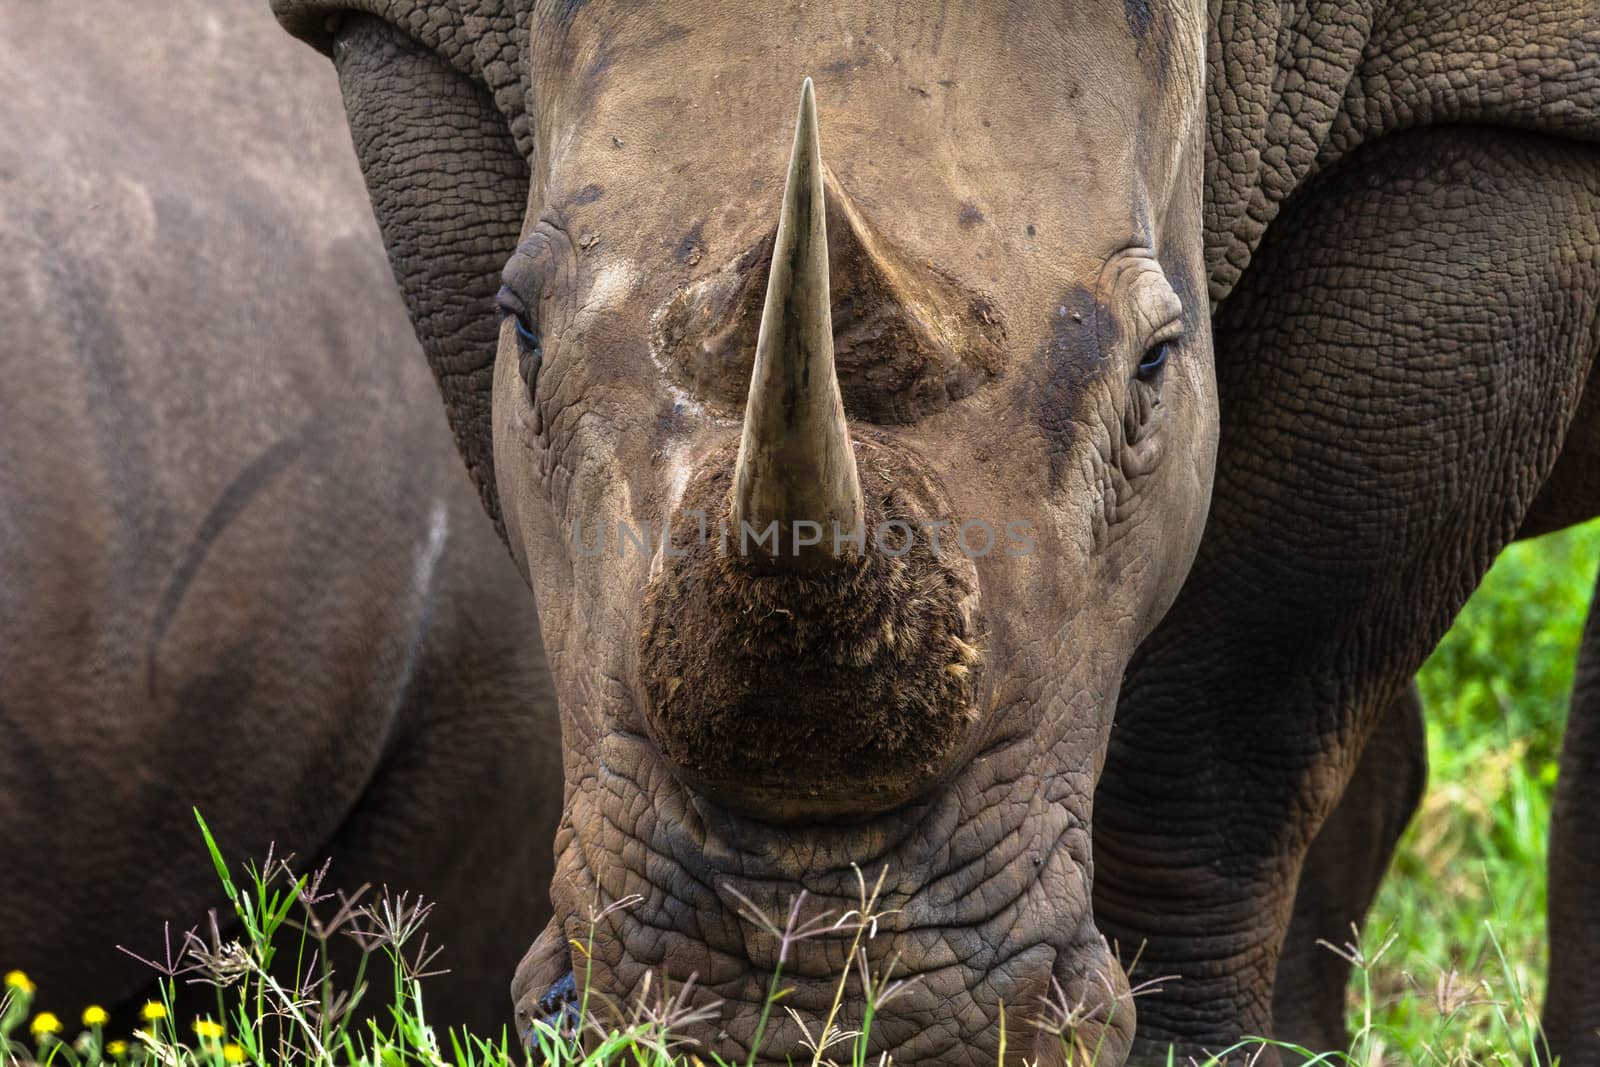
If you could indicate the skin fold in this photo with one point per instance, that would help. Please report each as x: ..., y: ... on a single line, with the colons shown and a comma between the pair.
x: 1357, y: 243
x: 243, y: 569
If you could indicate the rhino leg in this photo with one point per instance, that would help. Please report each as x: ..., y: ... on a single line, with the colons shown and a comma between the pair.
x: 1400, y: 368
x: 1341, y: 875
x: 1572, y: 1006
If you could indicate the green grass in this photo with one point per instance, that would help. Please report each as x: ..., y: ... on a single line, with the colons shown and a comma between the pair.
x: 1447, y: 971
x: 1473, y: 859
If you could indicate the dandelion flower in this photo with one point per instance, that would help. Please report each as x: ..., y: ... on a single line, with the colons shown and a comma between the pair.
x: 232, y: 1053
x: 116, y: 1049
x: 95, y: 1015
x: 45, y: 1023
x: 152, y: 1011
x: 207, y: 1029
x: 19, y: 981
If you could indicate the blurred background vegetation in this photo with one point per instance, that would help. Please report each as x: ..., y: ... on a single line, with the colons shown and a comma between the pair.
x: 1470, y: 871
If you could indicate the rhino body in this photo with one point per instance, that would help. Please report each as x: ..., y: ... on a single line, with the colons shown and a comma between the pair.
x: 1269, y: 324
x: 242, y: 568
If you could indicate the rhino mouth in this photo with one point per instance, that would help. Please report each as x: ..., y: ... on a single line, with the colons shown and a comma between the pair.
x: 984, y: 902
x: 1079, y: 1021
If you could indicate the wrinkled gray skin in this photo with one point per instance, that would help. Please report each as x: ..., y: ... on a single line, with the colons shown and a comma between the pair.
x: 242, y: 566
x: 1398, y: 236
x: 1342, y: 873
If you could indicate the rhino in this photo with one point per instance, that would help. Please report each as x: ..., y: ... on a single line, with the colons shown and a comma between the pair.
x: 1248, y: 333
x: 240, y: 565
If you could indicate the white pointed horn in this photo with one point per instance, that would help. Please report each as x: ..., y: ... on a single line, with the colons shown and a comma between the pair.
x: 796, y: 464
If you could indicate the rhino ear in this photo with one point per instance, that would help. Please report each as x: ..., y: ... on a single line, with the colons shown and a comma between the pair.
x: 448, y: 187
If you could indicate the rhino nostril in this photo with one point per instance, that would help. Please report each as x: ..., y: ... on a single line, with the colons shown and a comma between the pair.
x: 544, y: 991
x: 557, y: 1009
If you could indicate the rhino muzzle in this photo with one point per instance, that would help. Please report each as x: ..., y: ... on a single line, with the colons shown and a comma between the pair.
x: 820, y: 659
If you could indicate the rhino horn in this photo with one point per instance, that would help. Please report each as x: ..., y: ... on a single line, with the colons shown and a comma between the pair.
x: 796, y: 464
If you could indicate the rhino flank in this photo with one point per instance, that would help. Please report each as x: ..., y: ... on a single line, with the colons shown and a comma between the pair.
x: 240, y: 566
x: 1268, y: 323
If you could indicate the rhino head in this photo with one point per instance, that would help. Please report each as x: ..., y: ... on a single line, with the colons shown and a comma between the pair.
x: 849, y: 451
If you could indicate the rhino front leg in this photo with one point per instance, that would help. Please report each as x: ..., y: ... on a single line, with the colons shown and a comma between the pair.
x: 1398, y: 372
x: 1572, y: 1006
x: 1341, y: 875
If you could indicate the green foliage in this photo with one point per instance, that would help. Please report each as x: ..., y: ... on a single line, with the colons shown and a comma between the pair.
x: 1502, y: 674
x: 1473, y: 860
x: 1488, y: 1021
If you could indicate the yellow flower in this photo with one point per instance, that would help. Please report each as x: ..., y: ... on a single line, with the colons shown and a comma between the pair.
x: 116, y: 1049
x: 208, y: 1029
x: 232, y: 1053
x: 45, y: 1023
x: 95, y: 1015
x: 19, y: 981
x: 152, y: 1011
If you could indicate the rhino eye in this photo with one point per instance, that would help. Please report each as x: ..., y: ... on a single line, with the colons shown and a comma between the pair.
x: 510, y: 306
x: 526, y: 334
x: 1154, y: 359
x: 529, y: 352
